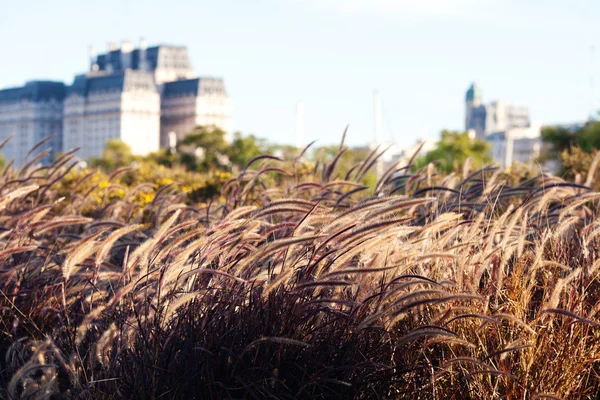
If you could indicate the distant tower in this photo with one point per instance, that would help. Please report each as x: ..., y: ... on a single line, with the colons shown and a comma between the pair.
x: 473, y: 100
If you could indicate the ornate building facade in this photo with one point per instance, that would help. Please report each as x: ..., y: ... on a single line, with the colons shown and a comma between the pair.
x: 138, y: 95
x: 506, y: 127
x: 496, y: 116
x: 29, y: 114
x: 124, y: 105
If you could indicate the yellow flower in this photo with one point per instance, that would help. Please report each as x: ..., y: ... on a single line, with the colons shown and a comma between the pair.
x: 147, y: 198
x: 104, y: 184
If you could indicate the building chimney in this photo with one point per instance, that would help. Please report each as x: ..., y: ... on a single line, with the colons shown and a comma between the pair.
x: 112, y: 46
x: 126, y: 48
x: 143, y: 60
x: 92, y: 57
x: 143, y: 43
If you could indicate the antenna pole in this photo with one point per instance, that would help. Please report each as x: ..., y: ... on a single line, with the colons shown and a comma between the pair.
x: 593, y: 109
x: 378, y: 119
x: 299, y: 124
x: 378, y: 131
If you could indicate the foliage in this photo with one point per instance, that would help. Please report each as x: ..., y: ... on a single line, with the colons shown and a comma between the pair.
x: 205, y: 149
x: 453, y: 150
x: 580, y: 166
x: 304, y: 286
x: 587, y: 139
x: 245, y: 148
x: 559, y: 138
x: 116, y: 154
x: 201, y: 177
x: 346, y: 161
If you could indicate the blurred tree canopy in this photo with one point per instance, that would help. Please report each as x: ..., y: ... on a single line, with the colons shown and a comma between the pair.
x: 245, y: 148
x: 205, y: 149
x: 574, y: 149
x: 346, y: 162
x: 202, y: 150
x: 587, y: 138
x: 452, y: 151
x: 116, y: 154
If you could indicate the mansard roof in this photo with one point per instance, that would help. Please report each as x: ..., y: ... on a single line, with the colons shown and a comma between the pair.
x: 36, y: 91
x: 161, y: 56
x: 119, y: 82
x: 194, y: 87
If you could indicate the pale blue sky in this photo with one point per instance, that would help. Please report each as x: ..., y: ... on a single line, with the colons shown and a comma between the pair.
x: 331, y: 54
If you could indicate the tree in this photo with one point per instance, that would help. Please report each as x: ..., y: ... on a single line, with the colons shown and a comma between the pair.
x: 587, y: 138
x: 204, y: 149
x: 284, y: 151
x: 573, y: 149
x: 347, y: 161
x: 559, y: 139
x: 245, y: 148
x: 116, y: 154
x: 453, y: 150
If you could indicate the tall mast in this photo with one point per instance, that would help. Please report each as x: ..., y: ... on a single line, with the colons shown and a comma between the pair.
x: 378, y: 119
x: 593, y: 104
x: 378, y: 131
x: 299, y: 124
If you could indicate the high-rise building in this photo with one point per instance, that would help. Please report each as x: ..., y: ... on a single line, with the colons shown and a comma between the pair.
x: 496, y: 116
x: 138, y: 95
x: 188, y: 103
x: 508, y: 129
x: 124, y: 105
x: 29, y: 114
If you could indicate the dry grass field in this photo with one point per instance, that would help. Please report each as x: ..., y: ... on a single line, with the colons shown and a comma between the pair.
x: 465, y: 286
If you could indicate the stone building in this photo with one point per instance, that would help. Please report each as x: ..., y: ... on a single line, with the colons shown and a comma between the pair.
x: 139, y: 95
x: 492, y: 117
x: 515, y: 145
x: 188, y: 103
x: 124, y: 105
x: 167, y: 63
x: 508, y: 128
x: 29, y: 114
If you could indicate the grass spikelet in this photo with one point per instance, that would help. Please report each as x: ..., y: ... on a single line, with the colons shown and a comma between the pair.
x: 86, y: 324
x: 425, y: 332
x: 571, y: 315
x: 77, y: 257
x: 559, y: 287
x: 112, y: 239
x: 16, y: 194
